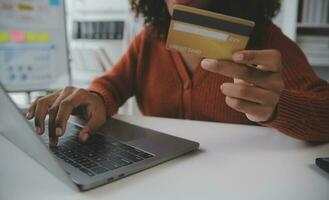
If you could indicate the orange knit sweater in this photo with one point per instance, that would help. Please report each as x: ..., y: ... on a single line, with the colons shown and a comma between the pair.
x: 163, y: 87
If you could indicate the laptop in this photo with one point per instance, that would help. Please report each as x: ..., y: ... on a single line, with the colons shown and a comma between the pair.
x: 117, y: 150
x: 323, y: 163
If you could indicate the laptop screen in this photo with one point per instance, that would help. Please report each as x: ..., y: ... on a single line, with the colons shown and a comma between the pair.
x: 15, y: 128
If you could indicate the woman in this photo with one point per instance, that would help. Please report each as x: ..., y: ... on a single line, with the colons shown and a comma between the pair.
x: 273, y: 83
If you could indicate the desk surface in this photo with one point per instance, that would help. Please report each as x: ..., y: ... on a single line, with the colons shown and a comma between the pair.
x: 234, y: 162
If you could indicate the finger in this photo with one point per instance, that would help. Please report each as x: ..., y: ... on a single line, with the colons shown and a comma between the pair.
x: 91, y: 127
x: 41, y: 111
x: 266, y: 60
x: 239, y: 81
x: 250, y: 93
x: 31, y: 110
x: 255, y: 112
x: 51, y: 132
x: 66, y: 108
x: 264, y: 79
x: 53, y: 110
x: 53, y: 141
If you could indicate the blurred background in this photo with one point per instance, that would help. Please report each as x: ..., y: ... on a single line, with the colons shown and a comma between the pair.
x: 48, y: 44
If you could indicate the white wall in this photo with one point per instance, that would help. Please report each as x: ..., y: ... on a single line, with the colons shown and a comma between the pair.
x: 287, y: 18
x: 98, y: 5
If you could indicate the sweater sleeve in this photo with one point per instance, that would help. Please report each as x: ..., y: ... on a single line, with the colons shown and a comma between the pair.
x: 303, y: 109
x: 117, y: 85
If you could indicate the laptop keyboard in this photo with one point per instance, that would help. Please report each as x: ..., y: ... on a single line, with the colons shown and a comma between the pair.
x: 98, y: 155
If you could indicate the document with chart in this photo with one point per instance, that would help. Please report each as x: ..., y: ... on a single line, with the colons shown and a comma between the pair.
x: 33, y: 49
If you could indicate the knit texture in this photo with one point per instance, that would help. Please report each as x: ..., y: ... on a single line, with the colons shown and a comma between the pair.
x: 164, y: 88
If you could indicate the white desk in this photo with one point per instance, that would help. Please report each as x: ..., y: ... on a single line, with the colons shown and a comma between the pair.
x: 235, y: 162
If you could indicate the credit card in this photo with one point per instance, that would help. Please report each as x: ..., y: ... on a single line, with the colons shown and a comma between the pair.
x: 207, y: 34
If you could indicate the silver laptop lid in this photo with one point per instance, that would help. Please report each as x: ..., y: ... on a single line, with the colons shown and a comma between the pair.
x: 17, y: 130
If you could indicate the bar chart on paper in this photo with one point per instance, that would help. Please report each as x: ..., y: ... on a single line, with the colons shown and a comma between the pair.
x: 33, y: 49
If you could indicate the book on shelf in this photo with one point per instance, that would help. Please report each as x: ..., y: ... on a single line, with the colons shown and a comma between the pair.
x: 98, y: 30
x: 313, y: 12
x: 313, y: 30
x: 325, y: 12
x: 318, y: 15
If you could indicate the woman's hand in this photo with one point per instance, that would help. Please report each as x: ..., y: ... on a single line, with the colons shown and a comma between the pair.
x: 60, y: 105
x: 257, y: 82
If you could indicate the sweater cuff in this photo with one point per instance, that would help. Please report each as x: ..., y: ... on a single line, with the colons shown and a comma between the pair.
x: 110, y: 105
x: 290, y: 115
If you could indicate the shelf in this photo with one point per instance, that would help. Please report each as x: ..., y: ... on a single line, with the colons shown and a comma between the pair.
x: 96, y: 43
x: 313, y: 30
x: 320, y: 66
x: 97, y: 12
x: 97, y: 40
x: 96, y: 6
x: 307, y: 25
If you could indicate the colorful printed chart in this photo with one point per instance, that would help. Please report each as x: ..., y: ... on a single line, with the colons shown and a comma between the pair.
x: 33, y: 49
x: 27, y: 64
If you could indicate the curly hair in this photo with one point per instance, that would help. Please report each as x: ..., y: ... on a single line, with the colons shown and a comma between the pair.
x: 156, y: 14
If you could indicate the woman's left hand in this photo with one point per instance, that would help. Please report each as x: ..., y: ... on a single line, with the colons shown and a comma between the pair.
x: 258, y: 82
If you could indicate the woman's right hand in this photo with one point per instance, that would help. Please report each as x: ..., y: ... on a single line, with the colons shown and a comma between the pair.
x: 60, y: 105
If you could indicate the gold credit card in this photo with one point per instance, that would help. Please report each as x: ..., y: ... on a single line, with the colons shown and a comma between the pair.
x: 207, y: 34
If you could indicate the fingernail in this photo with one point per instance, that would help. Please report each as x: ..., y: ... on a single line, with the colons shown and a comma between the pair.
x: 238, y: 57
x: 28, y: 115
x: 52, y: 143
x: 205, y: 63
x: 224, y: 86
x: 84, y: 137
x: 38, y: 130
x: 59, y: 132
